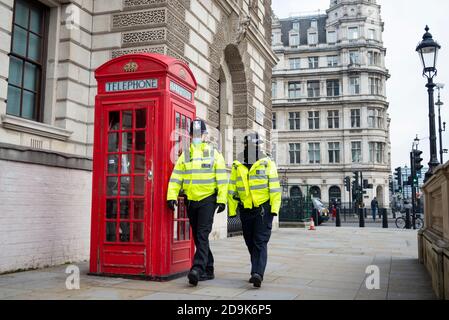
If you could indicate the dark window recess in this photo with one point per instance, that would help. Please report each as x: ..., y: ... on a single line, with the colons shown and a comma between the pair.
x: 27, y: 60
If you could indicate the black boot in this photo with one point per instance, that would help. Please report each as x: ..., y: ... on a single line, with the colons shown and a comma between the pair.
x: 194, y: 277
x: 208, y: 275
x: 256, y: 280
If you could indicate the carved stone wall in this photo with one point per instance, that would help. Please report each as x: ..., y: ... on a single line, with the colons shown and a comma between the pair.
x: 434, y: 238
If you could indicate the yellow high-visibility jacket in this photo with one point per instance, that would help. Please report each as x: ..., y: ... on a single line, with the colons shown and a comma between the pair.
x: 254, y: 187
x: 200, y: 174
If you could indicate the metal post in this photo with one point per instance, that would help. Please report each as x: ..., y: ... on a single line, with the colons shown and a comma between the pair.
x: 412, y: 160
x: 440, y: 131
x: 338, y: 219
x: 384, y: 219
x: 361, y: 218
x: 433, y: 137
x: 407, y: 219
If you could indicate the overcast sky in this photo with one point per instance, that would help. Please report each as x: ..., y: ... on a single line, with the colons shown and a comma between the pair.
x: 404, y: 27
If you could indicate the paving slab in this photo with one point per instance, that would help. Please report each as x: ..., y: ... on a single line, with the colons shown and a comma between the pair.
x: 326, y: 264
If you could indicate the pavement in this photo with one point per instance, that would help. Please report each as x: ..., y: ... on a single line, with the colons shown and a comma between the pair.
x: 326, y: 264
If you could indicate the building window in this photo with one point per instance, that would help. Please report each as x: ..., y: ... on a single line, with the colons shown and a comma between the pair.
x: 355, y: 118
x: 313, y: 62
x: 376, y: 152
x: 354, y: 57
x: 314, y: 24
x: 373, y: 58
x: 274, y: 120
x: 294, y: 90
x: 353, y: 33
x: 294, y: 120
x: 331, y: 37
x: 274, y: 91
x: 332, y: 61
x: 313, y: 38
x: 375, y: 119
x: 27, y: 60
x: 371, y: 34
x: 295, y: 63
x: 356, y: 152
x: 314, y: 153
x: 354, y: 85
x: 334, y: 152
x: 294, y: 39
x: 375, y: 85
x: 333, y: 88
x: 314, y: 120
x: 295, y: 153
x: 313, y: 89
x: 333, y: 118
x: 296, y: 26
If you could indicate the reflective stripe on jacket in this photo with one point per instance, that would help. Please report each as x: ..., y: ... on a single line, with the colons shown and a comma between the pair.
x: 254, y: 187
x: 200, y: 174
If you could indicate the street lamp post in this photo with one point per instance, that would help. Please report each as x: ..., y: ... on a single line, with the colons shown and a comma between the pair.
x: 440, y: 127
x: 428, y: 51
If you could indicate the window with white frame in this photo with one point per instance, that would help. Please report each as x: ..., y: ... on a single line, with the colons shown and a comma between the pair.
x: 373, y: 58
x: 294, y: 120
x: 356, y: 148
x: 333, y: 88
x: 294, y: 39
x: 333, y: 119
x: 294, y: 90
x: 376, y: 152
x: 314, y: 153
x: 354, y: 57
x: 313, y: 89
x: 354, y: 85
x: 353, y: 33
x: 375, y: 118
x: 375, y: 85
x: 295, y: 63
x: 332, y: 61
x: 371, y: 34
x: 313, y: 62
x: 296, y: 26
x: 331, y: 37
x: 314, y: 120
x: 355, y: 118
x: 274, y: 120
x: 312, y: 38
x: 295, y: 153
x: 334, y: 152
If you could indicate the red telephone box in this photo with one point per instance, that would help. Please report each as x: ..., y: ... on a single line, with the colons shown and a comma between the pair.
x: 143, y: 109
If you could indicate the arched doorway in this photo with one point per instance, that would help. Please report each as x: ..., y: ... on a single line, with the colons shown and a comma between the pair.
x: 315, y: 192
x: 295, y: 192
x: 334, y: 194
x: 380, y: 196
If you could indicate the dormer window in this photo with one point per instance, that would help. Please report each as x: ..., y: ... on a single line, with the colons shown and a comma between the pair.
x: 296, y: 26
x: 313, y: 38
x: 294, y: 39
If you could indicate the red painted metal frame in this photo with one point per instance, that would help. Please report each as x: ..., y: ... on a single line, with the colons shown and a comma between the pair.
x: 159, y: 257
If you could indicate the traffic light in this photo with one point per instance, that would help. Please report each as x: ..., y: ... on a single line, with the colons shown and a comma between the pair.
x: 356, y: 177
x: 398, y: 177
x: 348, y: 184
x: 391, y: 186
x: 417, y: 160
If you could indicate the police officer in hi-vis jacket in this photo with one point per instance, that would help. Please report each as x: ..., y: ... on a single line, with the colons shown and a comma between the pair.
x: 201, y: 173
x: 255, y: 191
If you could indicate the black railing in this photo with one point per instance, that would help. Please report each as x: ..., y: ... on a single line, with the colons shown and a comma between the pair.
x: 295, y: 210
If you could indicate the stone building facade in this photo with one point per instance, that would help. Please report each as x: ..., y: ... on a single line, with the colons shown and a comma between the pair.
x: 49, y: 50
x: 330, y: 111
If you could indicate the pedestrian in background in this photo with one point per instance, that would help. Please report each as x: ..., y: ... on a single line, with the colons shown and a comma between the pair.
x: 374, y: 208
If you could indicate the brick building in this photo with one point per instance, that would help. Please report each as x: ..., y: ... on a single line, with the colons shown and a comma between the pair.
x: 49, y: 50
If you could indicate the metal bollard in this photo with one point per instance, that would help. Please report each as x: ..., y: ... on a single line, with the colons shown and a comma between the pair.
x: 361, y: 218
x: 338, y: 219
x: 407, y: 219
x: 384, y: 219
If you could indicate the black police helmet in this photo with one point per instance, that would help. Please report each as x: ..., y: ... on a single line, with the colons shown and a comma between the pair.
x: 199, y: 125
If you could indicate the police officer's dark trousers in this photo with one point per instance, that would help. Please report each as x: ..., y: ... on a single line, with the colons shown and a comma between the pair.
x: 257, y: 224
x: 201, y: 216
